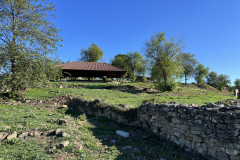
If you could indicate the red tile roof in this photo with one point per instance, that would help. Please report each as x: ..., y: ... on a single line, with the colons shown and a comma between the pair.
x: 90, y: 66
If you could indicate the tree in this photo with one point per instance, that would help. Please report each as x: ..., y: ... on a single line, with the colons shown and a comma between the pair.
x: 92, y: 54
x: 188, y: 63
x: 123, y: 61
x: 163, y: 54
x: 137, y: 63
x: 222, y: 81
x: 132, y: 62
x: 216, y: 81
x: 212, y: 79
x: 27, y: 41
x: 200, y: 73
x: 237, y: 83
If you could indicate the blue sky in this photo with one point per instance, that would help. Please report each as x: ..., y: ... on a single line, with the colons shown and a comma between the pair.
x: 210, y: 28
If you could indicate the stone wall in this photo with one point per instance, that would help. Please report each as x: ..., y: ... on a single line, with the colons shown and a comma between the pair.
x: 211, y: 130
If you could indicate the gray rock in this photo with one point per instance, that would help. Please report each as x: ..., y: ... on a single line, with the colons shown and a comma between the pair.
x: 123, y: 105
x: 30, y: 134
x: 61, y: 133
x: 50, y: 133
x: 62, y: 145
x: 222, y: 156
x: 3, y: 135
x: 62, y: 121
x: 113, y: 142
x: 232, y: 152
x: 36, y: 134
x: 126, y: 147
x: 58, y: 132
x: 64, y: 134
x: 24, y: 135
x: 12, y: 136
x: 7, y: 127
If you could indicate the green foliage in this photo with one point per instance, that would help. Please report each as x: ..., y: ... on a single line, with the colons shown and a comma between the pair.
x: 137, y: 63
x: 212, y: 79
x: 188, y: 63
x: 92, y: 54
x: 222, y: 81
x: 123, y: 61
x: 237, y: 83
x: 140, y: 79
x: 218, y: 82
x: 163, y: 55
x: 200, y: 73
x: 133, y: 63
x: 27, y: 39
x: 164, y: 80
x: 82, y: 117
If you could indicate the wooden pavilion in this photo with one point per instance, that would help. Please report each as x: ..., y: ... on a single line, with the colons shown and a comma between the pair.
x: 91, y: 69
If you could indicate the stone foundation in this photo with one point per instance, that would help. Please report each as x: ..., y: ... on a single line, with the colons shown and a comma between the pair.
x: 211, y: 130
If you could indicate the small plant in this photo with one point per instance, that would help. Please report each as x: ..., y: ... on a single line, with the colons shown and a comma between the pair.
x: 82, y: 117
x: 13, y: 141
x: 69, y: 149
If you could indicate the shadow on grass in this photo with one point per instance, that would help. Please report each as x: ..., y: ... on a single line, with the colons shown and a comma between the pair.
x: 124, y: 88
x: 142, y: 143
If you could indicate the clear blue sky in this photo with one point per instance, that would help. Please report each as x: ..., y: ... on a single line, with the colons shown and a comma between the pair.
x: 211, y: 28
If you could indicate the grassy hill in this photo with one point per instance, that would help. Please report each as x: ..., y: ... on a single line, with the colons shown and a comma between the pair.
x: 132, y: 94
x: 41, y: 130
x: 87, y: 138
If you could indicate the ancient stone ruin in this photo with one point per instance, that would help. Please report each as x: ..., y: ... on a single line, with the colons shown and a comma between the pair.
x: 211, y: 130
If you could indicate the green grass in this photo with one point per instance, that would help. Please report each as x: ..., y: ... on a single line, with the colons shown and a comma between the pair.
x: 188, y: 94
x: 26, y: 118
x: 22, y: 117
x: 92, y: 134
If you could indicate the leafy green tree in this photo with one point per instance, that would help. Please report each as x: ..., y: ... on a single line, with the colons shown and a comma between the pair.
x: 212, y: 79
x: 123, y: 61
x: 163, y: 54
x: 222, y: 81
x: 188, y: 63
x: 137, y: 63
x: 200, y: 73
x: 132, y: 62
x: 27, y: 41
x: 237, y: 83
x: 92, y: 54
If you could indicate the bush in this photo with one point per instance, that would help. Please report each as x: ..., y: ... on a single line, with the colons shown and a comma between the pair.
x: 140, y: 79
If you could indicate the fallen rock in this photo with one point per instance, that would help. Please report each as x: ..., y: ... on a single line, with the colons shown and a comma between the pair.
x: 62, y: 145
x: 78, y: 146
x: 23, y: 135
x: 145, y: 137
x: 50, y: 133
x: 122, y: 133
x: 64, y: 106
x: 12, y: 136
x: 34, y: 134
x: 58, y: 132
x: 64, y: 134
x: 126, y: 147
x: 7, y: 127
x: 61, y: 133
x: 62, y: 121
x: 113, y: 142
x: 3, y: 135
x: 123, y: 105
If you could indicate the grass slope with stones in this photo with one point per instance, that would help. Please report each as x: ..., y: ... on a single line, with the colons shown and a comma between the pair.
x: 40, y: 135
x: 133, y: 94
